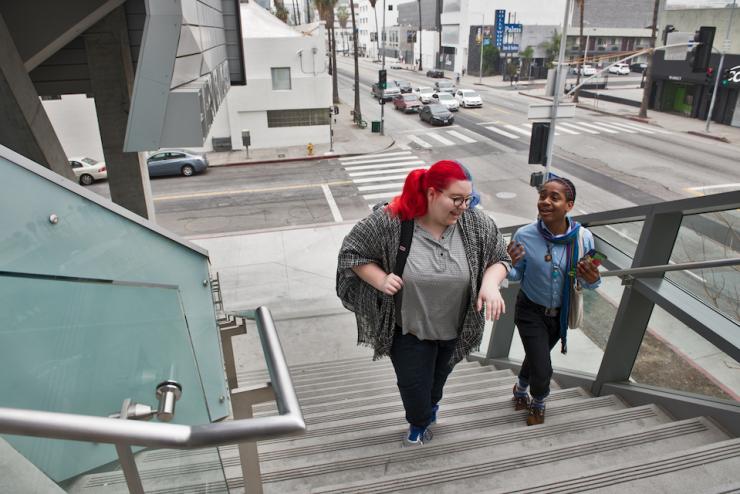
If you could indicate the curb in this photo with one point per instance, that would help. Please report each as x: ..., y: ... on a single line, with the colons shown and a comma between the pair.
x: 708, y: 136
x: 303, y: 158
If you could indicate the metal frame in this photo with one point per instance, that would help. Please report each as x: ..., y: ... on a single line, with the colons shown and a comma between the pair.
x: 645, y: 287
x: 160, y: 435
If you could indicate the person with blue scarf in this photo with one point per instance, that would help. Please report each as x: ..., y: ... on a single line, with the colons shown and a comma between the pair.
x: 547, y: 261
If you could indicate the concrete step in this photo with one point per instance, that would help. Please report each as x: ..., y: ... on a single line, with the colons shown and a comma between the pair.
x: 18, y: 474
x: 511, y: 472
x: 392, y: 394
x: 325, y: 448
x: 710, y: 469
x: 301, y: 476
x: 384, y: 388
x: 317, y: 368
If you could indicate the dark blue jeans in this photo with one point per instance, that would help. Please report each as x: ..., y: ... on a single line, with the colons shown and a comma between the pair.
x: 539, y: 334
x: 422, y: 367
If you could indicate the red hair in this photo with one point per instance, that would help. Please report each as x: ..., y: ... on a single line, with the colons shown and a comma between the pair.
x: 412, y: 202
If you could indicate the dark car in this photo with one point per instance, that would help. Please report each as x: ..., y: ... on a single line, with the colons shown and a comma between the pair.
x: 436, y: 114
x: 437, y: 73
x: 638, y: 67
x: 176, y: 163
x: 386, y: 94
x: 444, y: 86
x: 404, y: 86
x: 407, y: 102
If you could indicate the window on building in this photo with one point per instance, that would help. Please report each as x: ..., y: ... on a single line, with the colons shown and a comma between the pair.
x: 280, y: 78
x: 451, y: 34
x: 298, y: 118
x: 451, y: 6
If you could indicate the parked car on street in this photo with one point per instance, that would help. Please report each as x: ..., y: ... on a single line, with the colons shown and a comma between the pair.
x: 436, y: 114
x: 176, y: 162
x: 468, y: 98
x: 620, y: 69
x: 638, y: 67
x: 425, y: 94
x: 436, y: 73
x: 587, y: 70
x: 386, y: 94
x: 88, y: 170
x: 407, y: 102
x: 404, y: 86
x: 447, y: 100
x: 444, y: 86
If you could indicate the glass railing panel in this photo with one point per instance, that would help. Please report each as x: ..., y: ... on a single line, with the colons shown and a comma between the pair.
x: 707, y: 237
x: 622, y: 236
x: 674, y: 357
x: 94, y: 238
x: 174, y: 470
x: 82, y: 346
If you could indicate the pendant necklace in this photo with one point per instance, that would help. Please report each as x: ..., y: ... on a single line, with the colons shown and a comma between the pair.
x: 548, y: 255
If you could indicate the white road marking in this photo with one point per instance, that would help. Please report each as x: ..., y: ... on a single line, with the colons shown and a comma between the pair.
x: 461, y: 136
x: 528, y: 125
x: 379, y: 160
x: 441, y: 139
x: 332, y: 204
x: 376, y: 155
x: 646, y: 129
x: 381, y: 172
x: 594, y: 126
x: 383, y: 165
x: 517, y: 129
x: 379, y: 179
x: 574, y: 126
x: 395, y: 186
x: 403, y: 146
x: 382, y: 195
x: 566, y: 129
x: 627, y: 128
x: 418, y: 141
x: 503, y: 133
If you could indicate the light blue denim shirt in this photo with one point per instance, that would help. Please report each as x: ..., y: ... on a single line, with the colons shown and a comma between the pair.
x: 542, y: 281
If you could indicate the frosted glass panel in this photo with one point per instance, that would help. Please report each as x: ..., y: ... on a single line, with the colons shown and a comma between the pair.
x: 81, y: 346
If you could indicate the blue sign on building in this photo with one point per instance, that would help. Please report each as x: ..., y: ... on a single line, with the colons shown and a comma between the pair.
x: 510, y: 47
x: 500, y: 27
x: 513, y: 28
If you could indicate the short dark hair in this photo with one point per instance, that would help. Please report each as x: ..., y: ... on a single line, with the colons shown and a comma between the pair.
x: 570, y: 189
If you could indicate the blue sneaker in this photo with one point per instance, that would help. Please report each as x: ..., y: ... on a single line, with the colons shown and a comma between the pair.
x: 417, y: 436
x: 435, y: 409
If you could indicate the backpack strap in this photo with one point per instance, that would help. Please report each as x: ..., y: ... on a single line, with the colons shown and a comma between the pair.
x: 407, y: 235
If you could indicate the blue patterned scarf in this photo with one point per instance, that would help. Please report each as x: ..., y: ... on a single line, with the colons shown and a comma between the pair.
x: 570, y: 240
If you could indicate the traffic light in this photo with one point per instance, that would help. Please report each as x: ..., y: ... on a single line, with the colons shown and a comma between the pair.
x: 382, y: 79
x: 725, y: 80
x: 709, y: 76
x: 700, y: 54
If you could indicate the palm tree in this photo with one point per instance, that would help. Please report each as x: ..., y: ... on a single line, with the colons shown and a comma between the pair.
x: 439, y: 64
x: 526, y: 55
x: 326, y: 12
x: 357, y: 111
x: 581, y: 47
x: 552, y: 48
x: 420, y: 33
x: 343, y: 17
x: 377, y: 37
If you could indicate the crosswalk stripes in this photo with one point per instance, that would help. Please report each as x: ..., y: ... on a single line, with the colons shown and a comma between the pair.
x: 516, y: 131
x: 566, y: 130
x: 380, y: 176
x: 461, y: 136
x: 596, y: 127
x: 502, y: 132
x: 441, y: 137
x: 529, y: 127
x: 419, y: 141
x: 571, y: 125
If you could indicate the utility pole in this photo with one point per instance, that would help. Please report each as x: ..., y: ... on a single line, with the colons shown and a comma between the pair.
x: 725, y: 47
x: 649, y: 69
x: 556, y: 92
x: 382, y: 99
x: 420, y: 33
x: 480, y: 64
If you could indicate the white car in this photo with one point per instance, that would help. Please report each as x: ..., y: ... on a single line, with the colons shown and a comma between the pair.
x: 425, y: 94
x: 620, y: 69
x: 588, y: 70
x: 88, y: 170
x: 447, y: 100
x: 468, y: 98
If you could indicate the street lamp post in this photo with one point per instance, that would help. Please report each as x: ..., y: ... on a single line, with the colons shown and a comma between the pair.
x: 721, y: 66
x: 482, y: 31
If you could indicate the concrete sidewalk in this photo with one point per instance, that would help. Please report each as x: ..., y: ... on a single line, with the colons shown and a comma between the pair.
x: 348, y: 140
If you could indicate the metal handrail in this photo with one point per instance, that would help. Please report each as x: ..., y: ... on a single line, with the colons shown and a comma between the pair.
x: 79, y: 427
x: 648, y: 270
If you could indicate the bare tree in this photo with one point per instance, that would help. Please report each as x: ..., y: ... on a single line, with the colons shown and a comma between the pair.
x: 581, y: 47
x: 649, y: 69
x: 377, y: 36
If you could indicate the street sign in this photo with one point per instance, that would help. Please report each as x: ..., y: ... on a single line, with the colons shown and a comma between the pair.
x: 513, y: 28
x: 510, y: 47
x: 678, y: 52
x: 543, y: 111
x: 499, y: 27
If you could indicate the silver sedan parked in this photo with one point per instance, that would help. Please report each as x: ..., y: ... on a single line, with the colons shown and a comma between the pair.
x: 176, y: 162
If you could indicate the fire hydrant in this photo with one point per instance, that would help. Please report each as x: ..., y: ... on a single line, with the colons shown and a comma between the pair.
x: 309, y: 148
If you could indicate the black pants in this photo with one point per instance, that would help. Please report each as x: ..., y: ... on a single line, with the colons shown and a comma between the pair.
x: 539, y: 334
x: 422, y: 367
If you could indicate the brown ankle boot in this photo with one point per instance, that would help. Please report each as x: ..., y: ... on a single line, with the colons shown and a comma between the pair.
x: 536, y: 415
x: 520, y: 402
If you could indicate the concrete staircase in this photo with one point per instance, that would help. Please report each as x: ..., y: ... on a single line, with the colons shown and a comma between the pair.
x: 355, y: 427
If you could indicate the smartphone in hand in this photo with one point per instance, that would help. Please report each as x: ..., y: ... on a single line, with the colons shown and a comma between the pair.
x: 595, y: 257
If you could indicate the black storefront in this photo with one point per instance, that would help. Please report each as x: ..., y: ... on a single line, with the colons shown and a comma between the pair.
x: 677, y: 89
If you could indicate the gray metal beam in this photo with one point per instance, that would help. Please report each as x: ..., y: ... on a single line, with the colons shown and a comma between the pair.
x: 502, y: 332
x: 658, y: 236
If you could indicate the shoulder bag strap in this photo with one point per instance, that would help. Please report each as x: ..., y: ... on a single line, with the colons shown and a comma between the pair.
x: 407, y: 235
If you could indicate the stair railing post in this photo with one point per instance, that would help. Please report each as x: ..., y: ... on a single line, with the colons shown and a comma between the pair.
x: 242, y: 402
x: 502, y: 333
x: 227, y: 345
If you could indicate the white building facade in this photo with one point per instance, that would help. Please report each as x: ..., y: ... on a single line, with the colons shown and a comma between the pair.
x: 287, y: 98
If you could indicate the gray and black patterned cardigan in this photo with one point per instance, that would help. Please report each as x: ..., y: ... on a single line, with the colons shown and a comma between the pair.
x: 376, y: 239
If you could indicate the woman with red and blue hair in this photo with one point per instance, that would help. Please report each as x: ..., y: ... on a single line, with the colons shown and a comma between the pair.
x: 428, y: 315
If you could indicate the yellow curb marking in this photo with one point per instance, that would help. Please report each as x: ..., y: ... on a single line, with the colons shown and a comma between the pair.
x: 248, y: 191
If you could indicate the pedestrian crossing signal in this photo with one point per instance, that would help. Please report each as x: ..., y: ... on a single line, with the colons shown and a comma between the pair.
x: 382, y: 79
x: 538, y: 143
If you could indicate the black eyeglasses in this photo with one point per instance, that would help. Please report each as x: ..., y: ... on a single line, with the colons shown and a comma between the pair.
x: 458, y: 201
